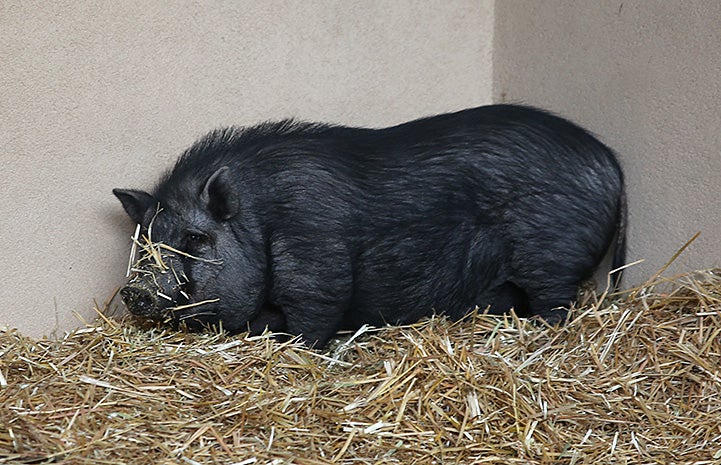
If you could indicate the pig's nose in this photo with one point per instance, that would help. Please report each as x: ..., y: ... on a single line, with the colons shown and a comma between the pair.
x: 139, y: 301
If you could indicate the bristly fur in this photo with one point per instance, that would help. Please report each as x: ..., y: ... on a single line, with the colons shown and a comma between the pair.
x: 220, y: 146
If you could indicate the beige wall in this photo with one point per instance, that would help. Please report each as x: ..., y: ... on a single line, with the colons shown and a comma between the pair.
x: 646, y: 77
x: 100, y: 95
x: 96, y: 95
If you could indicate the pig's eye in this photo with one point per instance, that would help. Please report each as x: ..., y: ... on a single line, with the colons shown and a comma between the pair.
x: 195, y: 241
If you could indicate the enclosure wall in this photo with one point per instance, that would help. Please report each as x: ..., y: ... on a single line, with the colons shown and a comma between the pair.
x: 645, y: 77
x: 97, y: 95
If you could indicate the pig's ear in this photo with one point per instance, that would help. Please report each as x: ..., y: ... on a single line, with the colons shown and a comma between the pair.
x: 220, y: 195
x: 136, y: 203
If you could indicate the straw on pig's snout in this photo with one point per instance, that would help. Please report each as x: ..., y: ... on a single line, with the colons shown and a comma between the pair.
x: 194, y: 304
x: 214, y: 261
x: 133, y: 250
x: 153, y: 253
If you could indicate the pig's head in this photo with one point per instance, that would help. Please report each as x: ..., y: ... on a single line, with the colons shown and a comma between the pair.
x: 202, y: 260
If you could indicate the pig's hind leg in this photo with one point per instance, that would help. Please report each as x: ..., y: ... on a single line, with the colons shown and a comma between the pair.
x: 550, y: 297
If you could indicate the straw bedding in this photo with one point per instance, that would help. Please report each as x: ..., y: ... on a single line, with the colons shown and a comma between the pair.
x: 632, y: 380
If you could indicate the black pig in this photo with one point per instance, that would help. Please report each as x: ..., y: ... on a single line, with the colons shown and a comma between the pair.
x: 309, y: 228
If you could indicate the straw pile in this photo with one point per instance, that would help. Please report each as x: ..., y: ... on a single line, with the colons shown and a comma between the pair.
x: 631, y: 381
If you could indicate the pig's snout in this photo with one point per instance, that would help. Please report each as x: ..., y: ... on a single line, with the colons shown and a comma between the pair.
x: 140, y: 301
